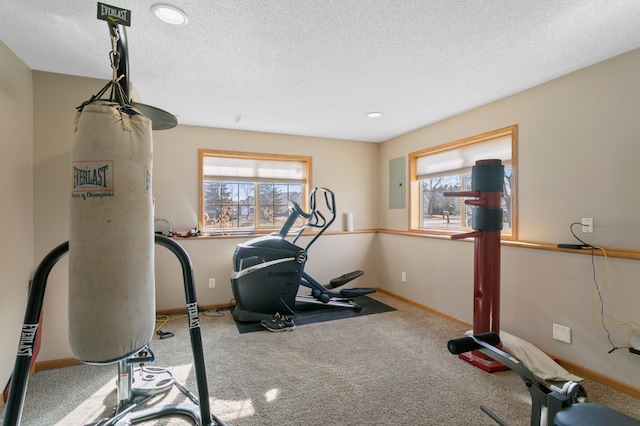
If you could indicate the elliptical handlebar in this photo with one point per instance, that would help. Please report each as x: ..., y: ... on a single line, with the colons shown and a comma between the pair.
x: 331, y: 207
x: 314, y: 217
x: 331, y: 204
x: 295, y: 211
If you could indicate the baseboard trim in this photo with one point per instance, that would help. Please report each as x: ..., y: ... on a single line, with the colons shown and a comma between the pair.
x: 425, y: 308
x: 57, y: 363
x: 600, y: 378
x: 568, y: 365
x: 184, y: 310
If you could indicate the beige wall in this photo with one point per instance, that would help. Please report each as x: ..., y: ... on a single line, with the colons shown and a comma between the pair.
x: 579, y: 145
x: 343, y: 166
x: 16, y: 193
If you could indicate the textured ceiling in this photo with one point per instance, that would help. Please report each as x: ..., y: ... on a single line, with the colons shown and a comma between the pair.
x: 309, y: 67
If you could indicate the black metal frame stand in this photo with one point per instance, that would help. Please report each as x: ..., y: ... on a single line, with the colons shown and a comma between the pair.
x: 20, y: 378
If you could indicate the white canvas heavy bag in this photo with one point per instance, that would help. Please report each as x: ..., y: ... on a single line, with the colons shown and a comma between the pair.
x: 111, y: 240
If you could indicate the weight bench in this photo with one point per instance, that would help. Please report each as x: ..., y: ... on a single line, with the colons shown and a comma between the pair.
x: 564, y: 407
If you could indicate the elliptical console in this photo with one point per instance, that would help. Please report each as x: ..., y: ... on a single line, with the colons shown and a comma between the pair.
x: 268, y: 270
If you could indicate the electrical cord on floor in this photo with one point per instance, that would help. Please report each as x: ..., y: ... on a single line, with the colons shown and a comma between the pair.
x: 217, y: 313
x: 164, y: 320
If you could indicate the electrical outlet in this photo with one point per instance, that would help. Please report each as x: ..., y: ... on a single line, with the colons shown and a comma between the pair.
x: 562, y: 333
x: 404, y: 277
x: 212, y: 283
x: 587, y: 225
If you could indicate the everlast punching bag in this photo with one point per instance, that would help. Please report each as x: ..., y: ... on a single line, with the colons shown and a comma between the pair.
x: 111, y: 240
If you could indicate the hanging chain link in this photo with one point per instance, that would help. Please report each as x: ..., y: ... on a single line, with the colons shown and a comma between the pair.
x: 114, y: 55
x: 117, y: 94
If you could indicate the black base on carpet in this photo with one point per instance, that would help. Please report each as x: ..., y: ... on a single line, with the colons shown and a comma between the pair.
x: 308, y: 313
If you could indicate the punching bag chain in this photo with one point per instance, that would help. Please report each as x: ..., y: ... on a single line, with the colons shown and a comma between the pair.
x: 114, y: 55
x: 117, y: 94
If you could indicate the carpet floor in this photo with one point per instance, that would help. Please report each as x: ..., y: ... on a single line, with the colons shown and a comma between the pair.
x: 391, y: 368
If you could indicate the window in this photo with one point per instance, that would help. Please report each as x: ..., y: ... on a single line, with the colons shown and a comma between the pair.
x: 240, y: 191
x: 447, y: 168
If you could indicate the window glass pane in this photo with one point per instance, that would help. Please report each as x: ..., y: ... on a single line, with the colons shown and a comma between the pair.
x: 218, y: 204
x: 280, y: 203
x: 228, y: 211
x: 440, y: 211
x: 266, y: 203
x: 246, y: 194
x: 295, y: 193
x: 211, y: 192
x: 467, y: 211
x: 233, y: 189
x: 507, y: 199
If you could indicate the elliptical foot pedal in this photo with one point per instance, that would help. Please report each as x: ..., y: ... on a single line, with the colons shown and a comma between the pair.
x: 356, y: 292
x: 343, y: 279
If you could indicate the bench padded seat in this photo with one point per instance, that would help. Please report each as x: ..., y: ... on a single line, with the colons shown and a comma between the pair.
x: 591, y: 415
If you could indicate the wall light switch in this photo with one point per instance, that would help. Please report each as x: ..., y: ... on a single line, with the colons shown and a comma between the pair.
x: 562, y: 333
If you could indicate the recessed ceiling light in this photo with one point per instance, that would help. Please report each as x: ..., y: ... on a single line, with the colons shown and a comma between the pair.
x: 374, y: 114
x: 169, y: 14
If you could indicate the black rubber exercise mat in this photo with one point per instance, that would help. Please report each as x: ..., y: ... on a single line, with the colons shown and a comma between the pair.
x: 309, y: 313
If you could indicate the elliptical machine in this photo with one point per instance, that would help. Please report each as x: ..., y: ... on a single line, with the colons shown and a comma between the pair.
x: 268, y: 270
